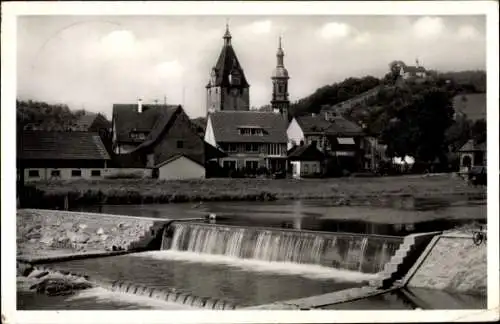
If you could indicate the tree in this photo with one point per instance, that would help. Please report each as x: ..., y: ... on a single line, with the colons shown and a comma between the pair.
x: 417, y: 125
x: 478, y: 131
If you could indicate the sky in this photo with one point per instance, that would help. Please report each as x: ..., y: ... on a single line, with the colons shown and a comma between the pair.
x: 91, y: 62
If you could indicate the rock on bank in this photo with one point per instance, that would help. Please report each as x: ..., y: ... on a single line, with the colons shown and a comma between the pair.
x: 46, y: 232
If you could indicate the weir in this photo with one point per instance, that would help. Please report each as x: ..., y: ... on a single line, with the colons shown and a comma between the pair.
x: 355, y: 252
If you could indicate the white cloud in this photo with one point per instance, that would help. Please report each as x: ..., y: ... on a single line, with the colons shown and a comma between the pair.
x: 170, y: 69
x: 467, y: 32
x: 335, y: 30
x: 119, y: 42
x: 428, y: 27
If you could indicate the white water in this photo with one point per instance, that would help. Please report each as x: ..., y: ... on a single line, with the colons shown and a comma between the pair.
x: 345, y: 252
x: 104, y: 295
x: 282, y: 268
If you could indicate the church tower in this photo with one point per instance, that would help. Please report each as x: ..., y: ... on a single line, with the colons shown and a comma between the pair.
x: 227, y: 88
x: 280, y: 102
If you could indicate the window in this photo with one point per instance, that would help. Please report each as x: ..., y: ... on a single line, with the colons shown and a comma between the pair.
x: 248, y: 131
x: 138, y: 135
x: 76, y: 173
x: 95, y: 173
x: 251, y: 147
x: 275, y: 149
x: 231, y: 147
x: 180, y: 144
x: 251, y: 165
x: 55, y: 173
x: 306, y: 168
x: 33, y: 174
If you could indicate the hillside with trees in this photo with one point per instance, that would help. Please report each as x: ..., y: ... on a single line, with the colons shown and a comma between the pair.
x: 414, y: 118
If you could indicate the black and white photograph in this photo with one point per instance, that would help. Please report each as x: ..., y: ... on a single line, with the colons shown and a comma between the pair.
x: 249, y: 156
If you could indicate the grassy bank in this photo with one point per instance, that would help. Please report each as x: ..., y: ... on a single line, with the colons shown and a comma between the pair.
x: 344, y: 190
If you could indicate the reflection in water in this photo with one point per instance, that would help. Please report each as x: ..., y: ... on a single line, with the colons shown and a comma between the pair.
x: 407, y: 216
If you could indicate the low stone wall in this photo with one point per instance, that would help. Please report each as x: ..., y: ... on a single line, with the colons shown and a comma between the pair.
x: 51, y: 232
x: 452, y: 263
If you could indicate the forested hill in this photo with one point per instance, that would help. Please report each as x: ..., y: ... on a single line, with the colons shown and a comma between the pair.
x: 462, y: 82
x: 333, y: 94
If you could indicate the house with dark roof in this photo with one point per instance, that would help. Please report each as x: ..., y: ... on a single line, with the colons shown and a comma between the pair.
x: 160, y: 138
x: 472, y: 154
x: 45, y: 155
x: 306, y: 161
x: 340, y: 139
x: 251, y: 139
x: 91, y: 122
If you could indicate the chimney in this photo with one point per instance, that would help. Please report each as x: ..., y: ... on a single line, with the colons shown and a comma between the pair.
x: 139, y: 106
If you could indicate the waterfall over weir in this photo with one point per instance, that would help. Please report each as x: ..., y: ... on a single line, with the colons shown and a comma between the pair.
x: 356, y: 252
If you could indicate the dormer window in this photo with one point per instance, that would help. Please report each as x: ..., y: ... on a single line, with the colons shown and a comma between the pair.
x: 138, y: 135
x: 251, y: 131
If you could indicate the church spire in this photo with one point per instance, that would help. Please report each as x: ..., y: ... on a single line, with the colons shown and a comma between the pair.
x: 280, y: 54
x: 227, y: 35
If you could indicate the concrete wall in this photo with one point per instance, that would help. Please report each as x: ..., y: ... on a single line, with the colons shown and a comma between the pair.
x: 181, y: 169
x: 41, y: 232
x: 452, y: 263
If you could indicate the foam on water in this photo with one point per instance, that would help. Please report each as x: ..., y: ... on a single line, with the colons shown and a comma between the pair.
x: 285, y: 268
x: 104, y: 295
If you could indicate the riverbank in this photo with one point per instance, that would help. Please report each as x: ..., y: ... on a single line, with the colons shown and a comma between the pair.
x: 343, y: 191
x: 51, y: 233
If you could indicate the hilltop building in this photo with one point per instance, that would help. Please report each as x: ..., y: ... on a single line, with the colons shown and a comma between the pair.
x: 413, y: 72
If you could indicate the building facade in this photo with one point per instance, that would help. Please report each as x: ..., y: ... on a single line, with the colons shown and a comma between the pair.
x: 227, y: 88
x: 252, y: 140
x: 52, y: 156
x: 341, y: 140
x: 156, y: 137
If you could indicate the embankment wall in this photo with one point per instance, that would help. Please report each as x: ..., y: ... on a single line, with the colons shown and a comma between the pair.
x: 45, y: 232
x: 451, y: 262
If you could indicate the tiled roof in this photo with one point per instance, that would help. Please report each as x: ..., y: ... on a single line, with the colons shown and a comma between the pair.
x: 127, y: 119
x: 40, y: 145
x: 225, y: 64
x: 413, y: 69
x: 470, y: 146
x: 334, y: 126
x: 226, y: 125
x: 306, y: 153
x: 85, y: 121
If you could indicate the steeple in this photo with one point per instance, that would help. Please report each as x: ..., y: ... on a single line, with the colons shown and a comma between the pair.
x: 227, y: 36
x: 280, y: 54
x: 227, y: 88
x: 279, y: 101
